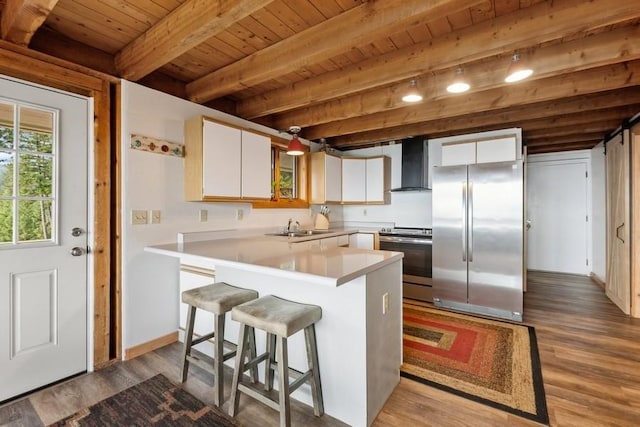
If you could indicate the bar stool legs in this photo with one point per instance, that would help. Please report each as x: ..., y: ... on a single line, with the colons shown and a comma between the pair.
x: 280, y: 319
x: 217, y: 299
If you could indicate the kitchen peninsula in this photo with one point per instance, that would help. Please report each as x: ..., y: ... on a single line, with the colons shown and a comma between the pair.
x: 359, y: 291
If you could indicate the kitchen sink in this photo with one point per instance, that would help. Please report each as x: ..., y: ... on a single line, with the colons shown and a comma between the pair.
x: 299, y: 233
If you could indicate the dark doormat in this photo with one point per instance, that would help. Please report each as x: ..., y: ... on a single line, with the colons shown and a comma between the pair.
x: 154, y: 402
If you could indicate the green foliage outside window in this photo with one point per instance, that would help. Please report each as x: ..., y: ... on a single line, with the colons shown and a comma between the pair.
x: 34, y: 191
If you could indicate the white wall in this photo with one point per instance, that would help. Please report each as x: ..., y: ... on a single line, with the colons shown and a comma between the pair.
x: 154, y: 181
x: 598, y: 212
x: 407, y: 209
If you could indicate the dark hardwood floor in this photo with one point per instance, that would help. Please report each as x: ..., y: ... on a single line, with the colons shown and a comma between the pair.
x: 590, y: 354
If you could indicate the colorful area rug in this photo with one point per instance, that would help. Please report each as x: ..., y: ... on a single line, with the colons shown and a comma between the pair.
x: 154, y: 402
x: 495, y: 363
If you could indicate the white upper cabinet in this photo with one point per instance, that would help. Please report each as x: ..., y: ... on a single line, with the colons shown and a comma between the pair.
x: 221, y: 157
x: 256, y: 166
x: 354, y: 176
x: 458, y: 154
x: 496, y: 150
x: 485, y: 147
x: 326, y: 178
x: 225, y: 163
x: 350, y: 180
x: 378, y: 180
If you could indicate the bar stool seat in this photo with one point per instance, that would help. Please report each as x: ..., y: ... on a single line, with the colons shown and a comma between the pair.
x: 217, y: 298
x: 280, y: 319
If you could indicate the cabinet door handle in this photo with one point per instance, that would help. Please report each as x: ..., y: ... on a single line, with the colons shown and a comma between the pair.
x: 618, y: 232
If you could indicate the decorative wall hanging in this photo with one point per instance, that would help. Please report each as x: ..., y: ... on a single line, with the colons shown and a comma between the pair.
x: 154, y: 145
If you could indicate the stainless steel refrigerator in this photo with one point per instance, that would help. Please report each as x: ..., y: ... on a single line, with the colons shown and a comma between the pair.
x: 478, y: 238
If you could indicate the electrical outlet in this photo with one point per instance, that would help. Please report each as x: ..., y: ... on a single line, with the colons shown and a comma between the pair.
x: 138, y: 217
x: 364, y: 212
x: 204, y: 215
x: 239, y: 214
x: 385, y: 303
x: 155, y: 217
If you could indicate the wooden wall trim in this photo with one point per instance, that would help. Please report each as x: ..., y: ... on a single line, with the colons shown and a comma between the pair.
x: 102, y: 226
x: 38, y: 68
x: 116, y: 231
x: 148, y: 346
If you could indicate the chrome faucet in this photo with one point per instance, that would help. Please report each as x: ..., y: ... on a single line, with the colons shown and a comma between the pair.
x: 296, y: 227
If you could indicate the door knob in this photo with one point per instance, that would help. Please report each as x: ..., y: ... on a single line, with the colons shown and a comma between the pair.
x: 77, y: 231
x: 77, y: 251
x: 528, y: 224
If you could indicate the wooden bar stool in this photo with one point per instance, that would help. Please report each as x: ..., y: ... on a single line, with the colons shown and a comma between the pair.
x: 217, y: 298
x: 280, y: 318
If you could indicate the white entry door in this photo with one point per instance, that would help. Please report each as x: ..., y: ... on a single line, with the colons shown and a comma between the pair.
x: 43, y: 240
x: 557, y: 209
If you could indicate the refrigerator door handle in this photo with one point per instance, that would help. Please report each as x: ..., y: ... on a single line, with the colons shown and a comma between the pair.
x: 464, y: 221
x: 470, y: 229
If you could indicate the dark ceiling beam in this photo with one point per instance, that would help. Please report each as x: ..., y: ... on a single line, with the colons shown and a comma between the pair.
x: 22, y: 18
x: 358, y: 26
x: 566, y: 139
x: 528, y: 26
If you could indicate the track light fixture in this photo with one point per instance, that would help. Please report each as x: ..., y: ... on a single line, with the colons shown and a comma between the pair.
x: 459, y: 84
x: 518, y: 69
x: 412, y: 94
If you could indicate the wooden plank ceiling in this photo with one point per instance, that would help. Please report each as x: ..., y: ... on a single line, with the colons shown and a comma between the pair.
x: 338, y: 68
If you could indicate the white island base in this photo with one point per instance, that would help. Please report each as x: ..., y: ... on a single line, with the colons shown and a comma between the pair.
x: 359, y: 336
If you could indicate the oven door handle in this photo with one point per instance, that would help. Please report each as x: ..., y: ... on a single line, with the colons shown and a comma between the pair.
x: 394, y: 239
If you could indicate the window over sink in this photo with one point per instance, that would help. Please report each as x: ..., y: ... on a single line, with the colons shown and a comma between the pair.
x: 288, y: 179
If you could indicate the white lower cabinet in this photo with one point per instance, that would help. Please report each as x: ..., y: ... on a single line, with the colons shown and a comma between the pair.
x: 190, y: 278
x: 362, y: 241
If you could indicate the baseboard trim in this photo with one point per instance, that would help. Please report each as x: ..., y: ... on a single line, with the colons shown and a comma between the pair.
x: 148, y: 346
x: 598, y: 280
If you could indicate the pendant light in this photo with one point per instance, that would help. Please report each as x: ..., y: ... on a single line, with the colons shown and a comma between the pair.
x: 412, y: 94
x: 295, y: 146
x: 459, y: 84
x: 518, y: 69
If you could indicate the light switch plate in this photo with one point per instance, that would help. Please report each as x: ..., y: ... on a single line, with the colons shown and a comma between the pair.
x: 138, y: 217
x: 239, y: 214
x: 203, y: 215
x: 155, y: 217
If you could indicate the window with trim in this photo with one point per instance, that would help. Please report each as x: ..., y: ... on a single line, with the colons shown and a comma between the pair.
x: 27, y: 174
x: 288, y: 180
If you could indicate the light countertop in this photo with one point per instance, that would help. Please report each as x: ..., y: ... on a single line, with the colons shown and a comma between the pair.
x: 299, y: 258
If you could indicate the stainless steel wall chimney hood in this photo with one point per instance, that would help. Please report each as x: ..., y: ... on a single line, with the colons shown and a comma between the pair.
x: 415, y: 165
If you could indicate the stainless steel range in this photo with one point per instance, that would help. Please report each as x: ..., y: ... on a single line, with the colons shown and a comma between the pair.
x: 415, y: 243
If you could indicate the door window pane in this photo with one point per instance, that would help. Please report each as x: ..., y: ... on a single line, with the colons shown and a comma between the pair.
x: 34, y: 223
x: 6, y: 221
x: 6, y: 125
x: 36, y: 130
x: 27, y: 184
x: 35, y: 176
x: 6, y: 173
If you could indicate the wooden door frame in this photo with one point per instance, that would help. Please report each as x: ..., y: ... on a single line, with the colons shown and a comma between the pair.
x: 634, y: 144
x: 32, y: 66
